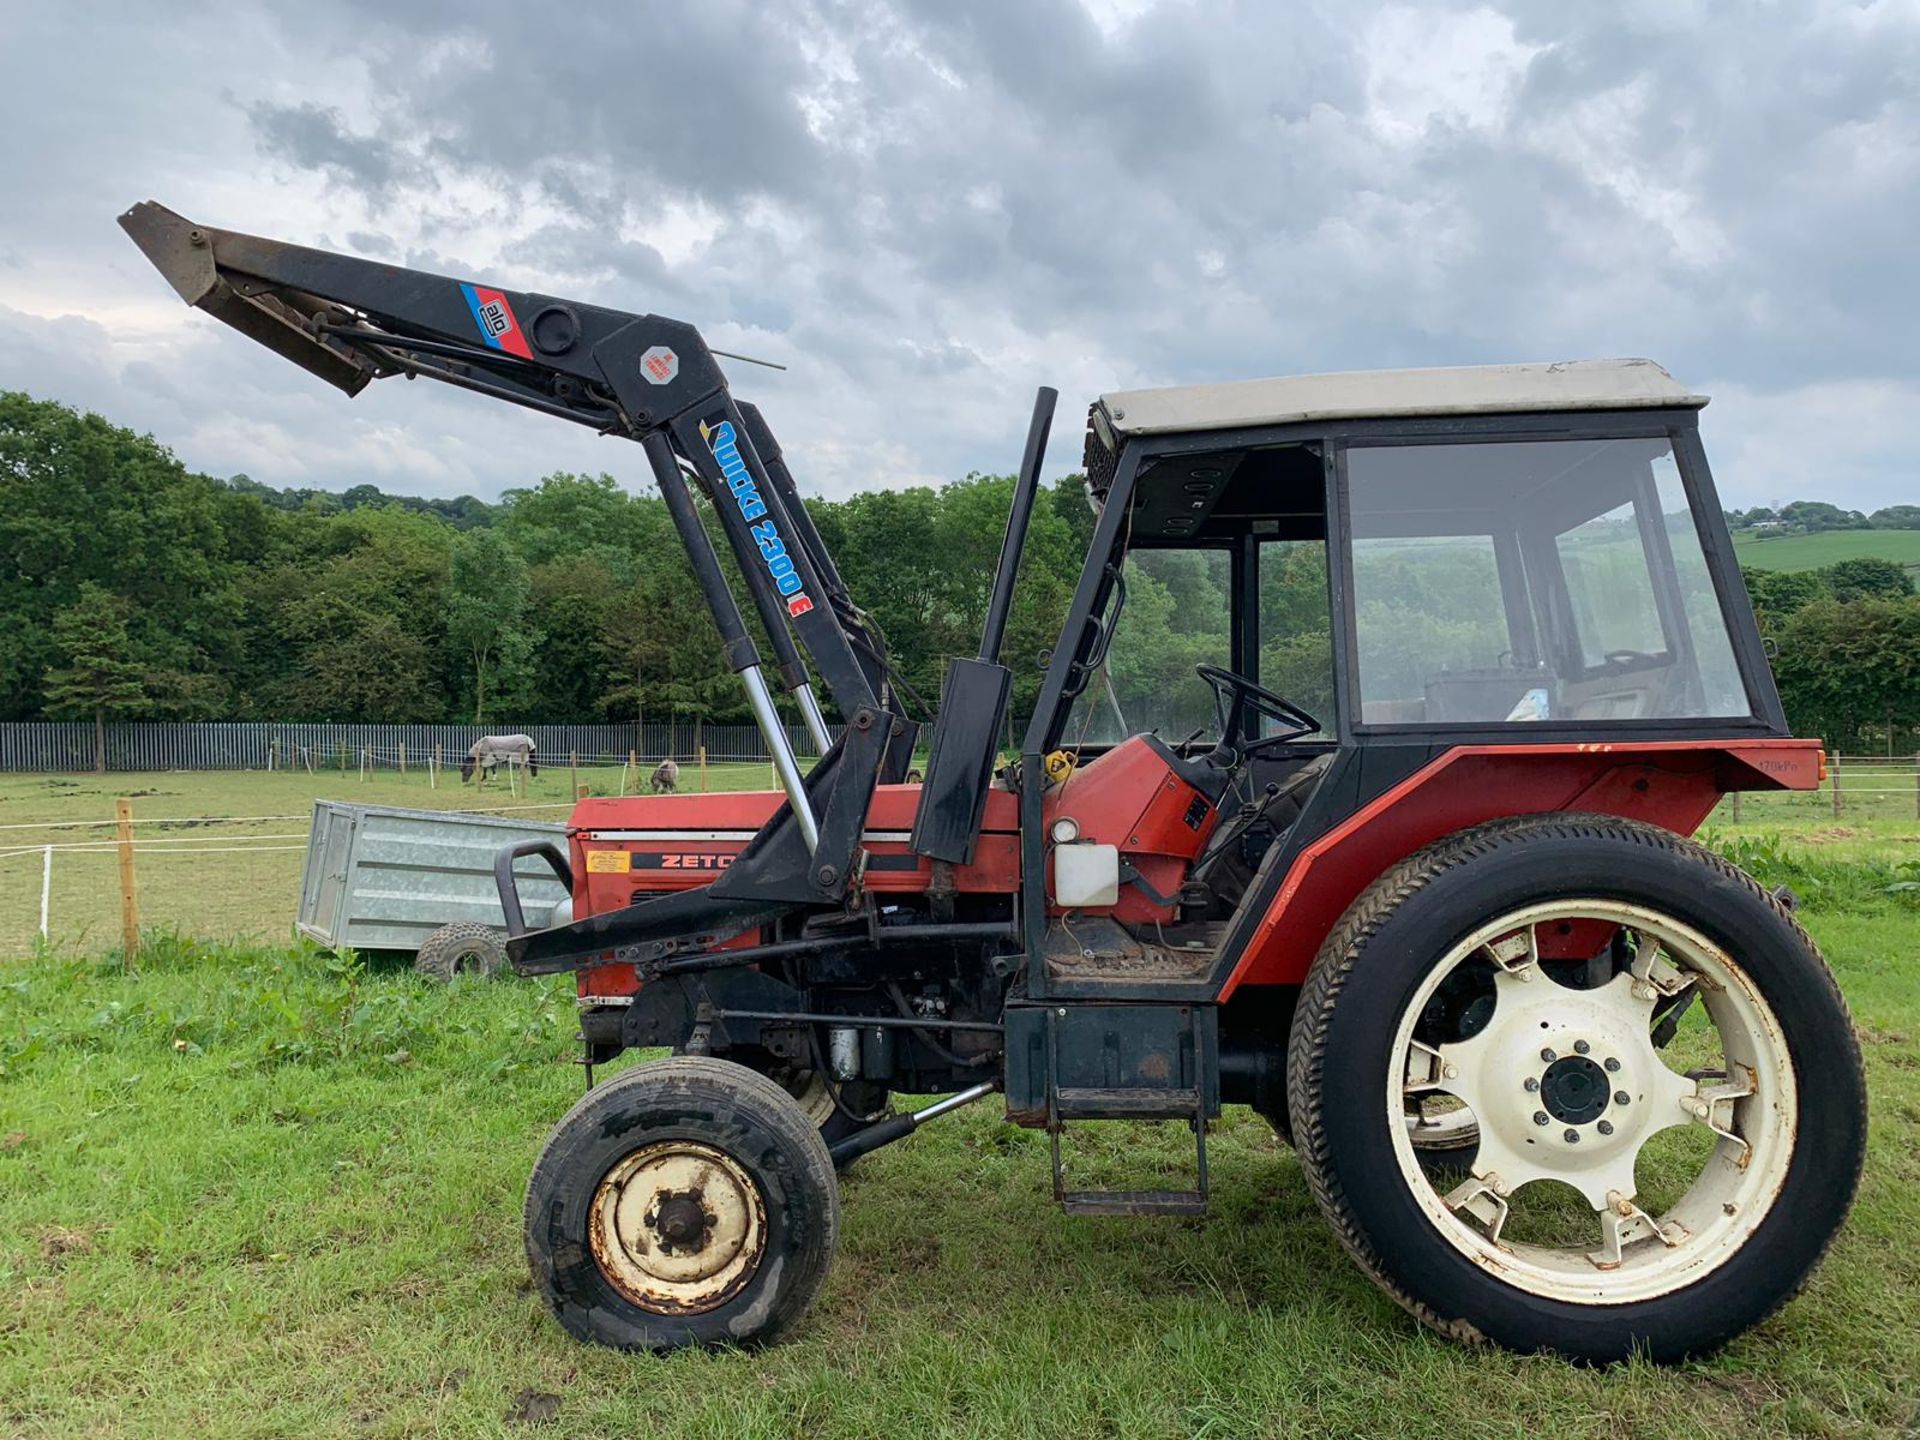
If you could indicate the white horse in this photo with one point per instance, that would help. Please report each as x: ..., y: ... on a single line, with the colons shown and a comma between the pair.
x: 490, y: 752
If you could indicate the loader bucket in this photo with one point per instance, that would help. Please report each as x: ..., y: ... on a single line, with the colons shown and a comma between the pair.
x: 189, y: 256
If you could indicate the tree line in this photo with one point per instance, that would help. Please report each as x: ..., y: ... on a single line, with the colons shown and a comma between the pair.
x: 133, y: 588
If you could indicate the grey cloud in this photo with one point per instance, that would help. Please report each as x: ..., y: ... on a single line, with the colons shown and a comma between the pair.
x: 928, y: 208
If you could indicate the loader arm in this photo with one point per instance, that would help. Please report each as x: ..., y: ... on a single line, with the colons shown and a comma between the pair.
x: 645, y: 378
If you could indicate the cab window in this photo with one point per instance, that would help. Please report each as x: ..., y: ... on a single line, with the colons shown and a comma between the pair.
x: 1526, y: 581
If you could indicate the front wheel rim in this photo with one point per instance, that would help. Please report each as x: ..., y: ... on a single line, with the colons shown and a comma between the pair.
x: 678, y: 1227
x: 1567, y: 1085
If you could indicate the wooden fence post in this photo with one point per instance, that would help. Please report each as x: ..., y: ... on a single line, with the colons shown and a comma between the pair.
x: 403, y: 759
x: 1736, y: 805
x: 129, y: 899
x: 703, y: 769
x: 363, y: 764
x: 573, y: 769
x: 433, y: 768
x: 1834, y: 771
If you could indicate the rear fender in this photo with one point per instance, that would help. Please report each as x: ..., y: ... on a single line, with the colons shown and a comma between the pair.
x: 1673, y: 784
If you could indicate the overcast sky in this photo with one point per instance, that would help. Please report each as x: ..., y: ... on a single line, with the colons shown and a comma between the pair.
x: 926, y: 209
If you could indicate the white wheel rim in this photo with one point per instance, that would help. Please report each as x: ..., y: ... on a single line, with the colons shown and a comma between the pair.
x: 677, y: 1227
x: 1504, y: 1076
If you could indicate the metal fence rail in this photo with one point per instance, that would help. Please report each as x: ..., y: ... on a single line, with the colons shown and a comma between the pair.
x: 49, y: 746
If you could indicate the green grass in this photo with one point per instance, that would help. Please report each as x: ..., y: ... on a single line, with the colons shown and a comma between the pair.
x: 200, y: 880
x: 1769, y: 551
x: 260, y: 1192
x: 254, y: 1190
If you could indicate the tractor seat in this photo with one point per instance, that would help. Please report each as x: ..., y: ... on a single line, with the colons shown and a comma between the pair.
x: 1234, y: 851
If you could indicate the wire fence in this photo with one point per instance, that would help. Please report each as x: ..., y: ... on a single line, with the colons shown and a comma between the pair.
x: 62, y: 746
x: 238, y: 874
x: 1856, y: 788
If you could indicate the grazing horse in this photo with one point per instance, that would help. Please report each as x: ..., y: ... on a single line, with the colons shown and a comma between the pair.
x: 490, y: 752
x: 666, y: 777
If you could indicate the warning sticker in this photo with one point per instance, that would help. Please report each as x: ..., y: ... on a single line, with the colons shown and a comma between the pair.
x: 608, y: 862
x: 659, y: 365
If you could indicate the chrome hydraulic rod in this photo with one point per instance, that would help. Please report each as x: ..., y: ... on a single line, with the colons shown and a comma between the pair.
x: 816, y: 722
x: 785, y: 764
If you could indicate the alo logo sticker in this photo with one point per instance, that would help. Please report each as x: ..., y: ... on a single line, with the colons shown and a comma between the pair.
x: 499, y: 327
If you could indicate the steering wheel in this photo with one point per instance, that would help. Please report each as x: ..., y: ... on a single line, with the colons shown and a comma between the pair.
x: 1234, y: 696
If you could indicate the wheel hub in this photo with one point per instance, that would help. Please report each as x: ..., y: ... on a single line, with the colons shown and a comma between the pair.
x: 680, y: 1223
x: 678, y: 1227
x: 1575, y: 1090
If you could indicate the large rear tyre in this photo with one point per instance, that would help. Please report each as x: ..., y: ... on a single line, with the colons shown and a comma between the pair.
x: 688, y: 1201
x: 1668, y: 1109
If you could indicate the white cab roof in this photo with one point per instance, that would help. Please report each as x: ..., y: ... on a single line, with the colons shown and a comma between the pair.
x: 1357, y: 394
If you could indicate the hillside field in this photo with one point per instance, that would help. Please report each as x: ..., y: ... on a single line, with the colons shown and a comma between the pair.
x: 1825, y: 547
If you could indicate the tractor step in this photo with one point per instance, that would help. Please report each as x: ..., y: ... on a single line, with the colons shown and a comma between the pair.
x: 1183, y: 1050
x: 1134, y: 1202
x: 1093, y: 1103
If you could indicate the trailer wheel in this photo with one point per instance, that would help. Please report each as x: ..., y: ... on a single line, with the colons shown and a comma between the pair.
x: 688, y: 1201
x: 1669, y: 1109
x: 461, y: 948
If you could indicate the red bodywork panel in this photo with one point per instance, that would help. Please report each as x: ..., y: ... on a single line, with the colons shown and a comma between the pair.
x: 1670, y: 783
x: 1131, y: 797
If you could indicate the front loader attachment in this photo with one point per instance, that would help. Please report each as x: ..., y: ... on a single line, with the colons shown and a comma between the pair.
x: 645, y: 378
x: 284, y: 321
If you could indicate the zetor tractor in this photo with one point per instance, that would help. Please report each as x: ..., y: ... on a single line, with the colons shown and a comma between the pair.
x: 1383, y: 834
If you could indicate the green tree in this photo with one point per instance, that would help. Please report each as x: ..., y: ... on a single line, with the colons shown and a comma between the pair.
x: 488, y: 591
x: 1847, y: 672
x: 1776, y: 594
x: 1867, y: 576
x: 98, y: 677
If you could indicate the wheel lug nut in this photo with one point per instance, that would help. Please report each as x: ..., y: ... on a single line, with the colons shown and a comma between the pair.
x: 1540, y: 1117
x: 1605, y: 1127
x: 1572, y: 1137
x: 1620, y: 1097
x: 1580, y: 1047
x: 1548, y: 1056
x: 1613, y: 1065
x: 1531, y: 1084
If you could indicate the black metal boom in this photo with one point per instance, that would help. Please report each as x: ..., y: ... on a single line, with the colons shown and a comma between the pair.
x: 643, y: 377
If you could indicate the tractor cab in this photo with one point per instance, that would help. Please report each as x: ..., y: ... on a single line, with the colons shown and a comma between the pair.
x: 1302, y: 590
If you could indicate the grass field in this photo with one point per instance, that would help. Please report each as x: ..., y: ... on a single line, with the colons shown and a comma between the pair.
x: 255, y: 1190
x: 1766, y: 551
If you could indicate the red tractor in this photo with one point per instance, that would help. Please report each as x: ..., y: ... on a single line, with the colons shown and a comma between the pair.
x: 1389, y: 843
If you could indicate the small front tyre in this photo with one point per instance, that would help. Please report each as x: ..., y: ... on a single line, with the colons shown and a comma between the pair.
x: 1668, y: 1115
x: 689, y: 1201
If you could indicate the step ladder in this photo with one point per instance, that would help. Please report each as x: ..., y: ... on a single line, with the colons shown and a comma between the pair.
x: 1066, y: 1103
